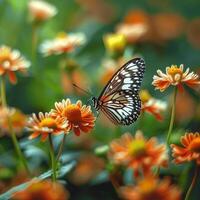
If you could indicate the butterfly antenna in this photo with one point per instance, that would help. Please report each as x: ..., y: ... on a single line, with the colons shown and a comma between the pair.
x: 85, y: 91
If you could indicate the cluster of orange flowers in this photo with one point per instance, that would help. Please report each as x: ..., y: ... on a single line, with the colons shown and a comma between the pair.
x: 65, y: 117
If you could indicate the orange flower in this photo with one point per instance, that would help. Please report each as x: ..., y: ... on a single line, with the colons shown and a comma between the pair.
x: 87, y: 168
x: 44, y: 190
x: 10, y: 62
x: 79, y: 117
x: 62, y: 43
x: 176, y: 77
x: 150, y: 188
x: 41, y: 10
x: 138, y: 153
x: 16, y: 117
x: 45, y: 124
x: 151, y: 105
x: 190, y: 149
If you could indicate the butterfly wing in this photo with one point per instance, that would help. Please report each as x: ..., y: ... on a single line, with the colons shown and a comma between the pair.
x: 119, y: 100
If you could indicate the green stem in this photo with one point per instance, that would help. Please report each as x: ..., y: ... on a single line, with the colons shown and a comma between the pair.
x: 172, y: 116
x: 196, y: 173
x: 34, y: 41
x: 13, y: 135
x: 61, y: 148
x: 53, y: 161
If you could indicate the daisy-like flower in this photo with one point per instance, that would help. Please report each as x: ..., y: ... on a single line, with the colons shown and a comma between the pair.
x: 151, y: 188
x: 12, y: 61
x: 41, y: 10
x: 16, y: 117
x: 45, y: 124
x: 152, y: 105
x: 79, y: 117
x: 62, y: 43
x: 138, y: 153
x: 176, y: 77
x: 44, y: 190
x: 190, y: 149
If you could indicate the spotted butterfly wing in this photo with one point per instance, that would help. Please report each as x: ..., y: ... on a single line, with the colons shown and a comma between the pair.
x: 119, y: 100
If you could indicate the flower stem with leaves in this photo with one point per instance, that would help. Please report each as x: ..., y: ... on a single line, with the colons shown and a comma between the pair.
x: 13, y: 135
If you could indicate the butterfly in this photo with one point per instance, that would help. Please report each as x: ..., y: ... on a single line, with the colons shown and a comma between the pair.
x: 120, y: 100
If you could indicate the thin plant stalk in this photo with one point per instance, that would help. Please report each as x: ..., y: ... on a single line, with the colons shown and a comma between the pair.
x: 61, y: 148
x: 13, y: 135
x: 53, y: 160
x: 172, y: 116
x: 196, y: 173
x: 34, y: 41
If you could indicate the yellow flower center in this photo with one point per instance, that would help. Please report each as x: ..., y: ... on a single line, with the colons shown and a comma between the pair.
x: 48, y: 122
x: 144, y: 96
x: 5, y: 57
x: 73, y: 113
x: 61, y: 35
x: 195, y: 145
x: 147, y: 186
x: 137, y: 148
x: 175, y: 72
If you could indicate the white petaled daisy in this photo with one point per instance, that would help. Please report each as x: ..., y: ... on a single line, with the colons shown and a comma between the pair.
x: 41, y: 10
x: 45, y: 124
x: 12, y: 61
x: 176, y: 77
x: 62, y: 43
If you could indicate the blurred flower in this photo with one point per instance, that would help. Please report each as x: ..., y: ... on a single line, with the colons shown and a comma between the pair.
x: 138, y: 153
x: 45, y: 124
x: 12, y: 61
x: 151, y: 105
x: 132, y: 32
x: 44, y: 190
x: 176, y: 77
x: 114, y: 42
x: 87, y: 168
x: 62, y: 43
x: 193, y: 32
x: 77, y: 77
x: 41, y: 10
x: 98, y: 9
x: 185, y: 107
x: 151, y: 188
x: 190, y: 149
x: 13, y: 116
x: 168, y: 25
x: 79, y: 117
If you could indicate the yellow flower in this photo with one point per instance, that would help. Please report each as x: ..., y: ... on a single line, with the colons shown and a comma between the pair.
x: 138, y: 153
x: 41, y: 10
x: 152, y: 105
x: 114, y: 42
x: 79, y: 117
x: 176, y: 77
x: 190, y: 149
x: 150, y: 188
x: 44, y: 190
x: 45, y: 124
x: 11, y: 61
x: 16, y: 117
x: 62, y: 43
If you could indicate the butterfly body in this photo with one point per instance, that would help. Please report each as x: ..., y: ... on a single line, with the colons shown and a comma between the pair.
x: 119, y: 100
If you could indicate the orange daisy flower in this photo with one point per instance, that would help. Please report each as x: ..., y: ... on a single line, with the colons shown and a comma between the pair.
x: 176, y: 77
x: 45, y: 124
x: 151, y: 188
x: 41, y: 10
x: 79, y: 117
x: 151, y: 105
x: 16, y: 117
x: 138, y: 153
x: 190, y: 149
x: 10, y: 62
x: 44, y: 190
